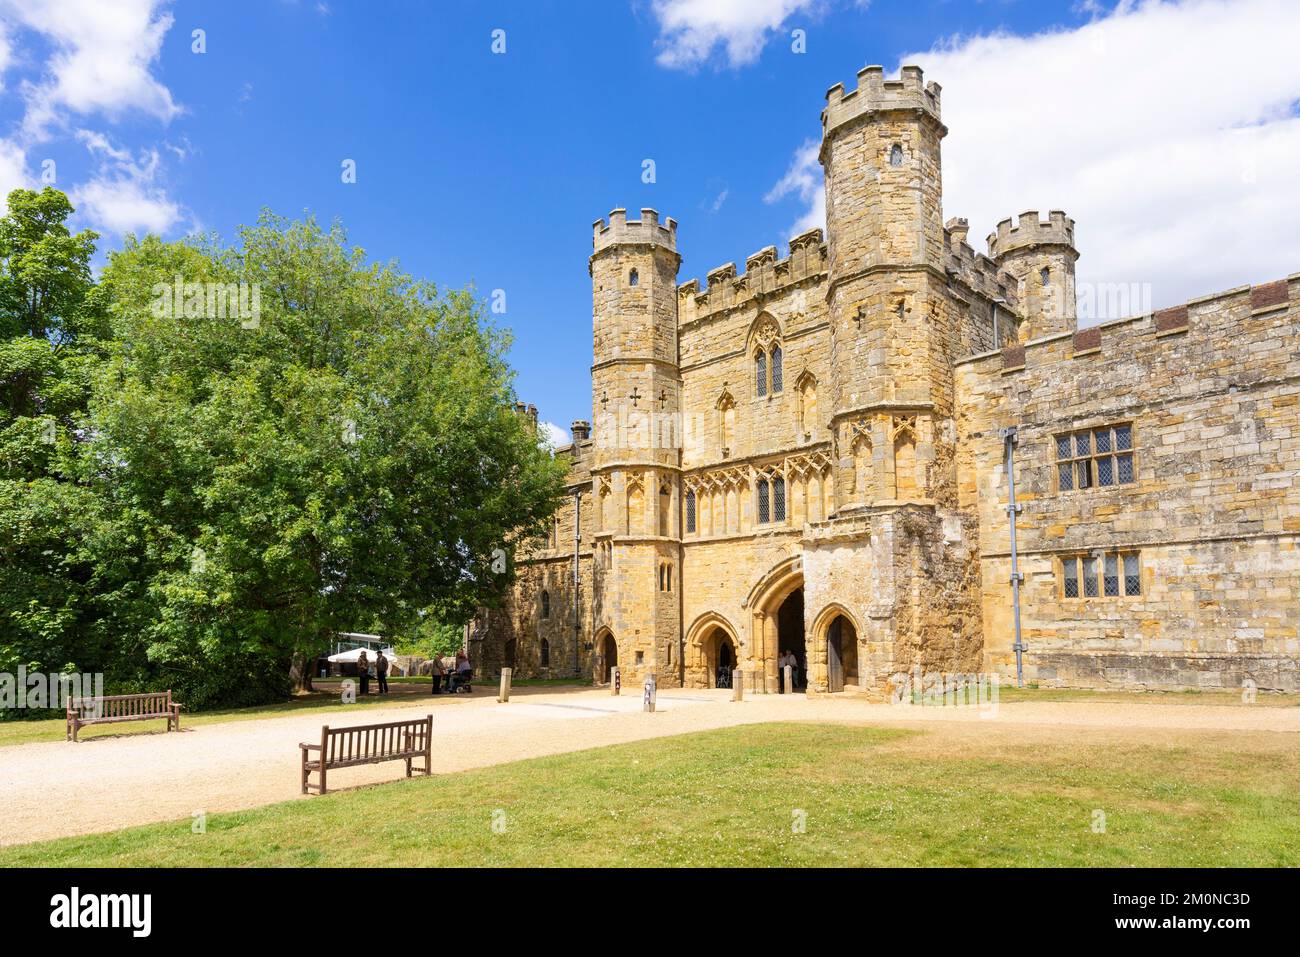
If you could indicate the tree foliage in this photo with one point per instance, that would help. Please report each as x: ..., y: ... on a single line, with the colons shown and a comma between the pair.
x: 349, y: 455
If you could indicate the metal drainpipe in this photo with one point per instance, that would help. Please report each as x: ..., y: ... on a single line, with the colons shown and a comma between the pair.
x: 577, y: 618
x: 1009, y: 440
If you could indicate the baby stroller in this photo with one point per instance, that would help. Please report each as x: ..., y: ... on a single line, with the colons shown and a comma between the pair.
x: 459, y: 681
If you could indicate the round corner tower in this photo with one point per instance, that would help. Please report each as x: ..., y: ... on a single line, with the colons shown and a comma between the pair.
x: 1040, y: 256
x: 636, y: 389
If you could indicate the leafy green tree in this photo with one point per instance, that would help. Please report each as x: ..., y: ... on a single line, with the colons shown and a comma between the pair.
x: 344, y: 452
x: 432, y: 638
x: 56, y: 601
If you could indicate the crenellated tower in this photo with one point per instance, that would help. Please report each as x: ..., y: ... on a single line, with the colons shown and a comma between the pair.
x: 1040, y: 256
x: 636, y: 477
x: 891, y: 328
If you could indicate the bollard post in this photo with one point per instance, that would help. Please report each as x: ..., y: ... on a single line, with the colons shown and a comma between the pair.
x: 648, y: 698
x: 788, y: 677
x: 737, y: 685
x: 504, y: 694
x: 615, y: 681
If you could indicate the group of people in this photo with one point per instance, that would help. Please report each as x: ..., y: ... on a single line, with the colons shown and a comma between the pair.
x: 456, y: 675
x: 381, y: 672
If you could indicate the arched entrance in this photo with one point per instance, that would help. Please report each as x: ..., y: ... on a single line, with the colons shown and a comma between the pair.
x: 790, y: 638
x: 841, y: 654
x: 834, y: 649
x: 720, y: 658
x: 777, y: 606
x: 607, y: 657
x: 712, y: 652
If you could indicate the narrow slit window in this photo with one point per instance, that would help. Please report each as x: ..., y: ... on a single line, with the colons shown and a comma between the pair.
x: 633, y: 278
x: 776, y: 369
x: 760, y: 373
x: 764, y: 504
x: 690, y: 512
x: 896, y: 155
x: 778, y: 499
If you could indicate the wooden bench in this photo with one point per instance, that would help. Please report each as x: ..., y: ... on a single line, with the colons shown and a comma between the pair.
x: 112, y: 708
x: 367, y: 744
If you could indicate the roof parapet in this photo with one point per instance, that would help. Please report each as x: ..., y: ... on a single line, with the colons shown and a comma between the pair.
x: 1029, y: 231
x: 875, y: 94
x: 646, y: 231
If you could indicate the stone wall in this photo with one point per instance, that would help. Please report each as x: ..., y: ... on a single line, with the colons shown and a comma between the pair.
x: 1212, y: 393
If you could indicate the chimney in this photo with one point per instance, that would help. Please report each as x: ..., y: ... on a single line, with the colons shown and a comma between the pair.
x: 581, y: 431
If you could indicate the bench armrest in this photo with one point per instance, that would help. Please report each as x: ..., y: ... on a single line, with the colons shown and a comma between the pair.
x: 309, y: 747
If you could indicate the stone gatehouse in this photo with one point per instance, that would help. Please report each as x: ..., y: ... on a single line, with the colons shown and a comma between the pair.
x: 809, y: 455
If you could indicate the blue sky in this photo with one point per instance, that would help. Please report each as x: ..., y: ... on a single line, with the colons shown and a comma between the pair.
x: 1167, y: 129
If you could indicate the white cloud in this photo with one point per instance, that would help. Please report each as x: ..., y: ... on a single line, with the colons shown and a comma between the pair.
x: 690, y: 30
x: 1167, y: 130
x: 553, y: 435
x: 13, y: 170
x: 102, y: 60
x: 124, y: 196
x: 803, y: 179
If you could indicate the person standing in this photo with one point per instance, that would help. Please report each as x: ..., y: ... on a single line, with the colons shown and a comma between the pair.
x: 381, y: 669
x: 438, y: 671
x: 363, y: 672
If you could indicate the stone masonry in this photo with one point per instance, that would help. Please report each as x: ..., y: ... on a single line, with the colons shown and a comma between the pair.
x: 808, y: 455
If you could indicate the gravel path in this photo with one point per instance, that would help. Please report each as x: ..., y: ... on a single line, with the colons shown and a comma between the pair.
x: 56, y: 789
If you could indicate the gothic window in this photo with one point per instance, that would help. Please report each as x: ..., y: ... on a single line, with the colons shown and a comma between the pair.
x: 1109, y: 574
x: 690, y: 512
x: 896, y: 155
x: 778, y: 499
x: 1091, y: 458
x: 546, y: 604
x: 760, y: 372
x: 764, y: 502
x: 776, y: 369
x: 546, y: 653
x: 1045, y: 275
x: 633, y: 278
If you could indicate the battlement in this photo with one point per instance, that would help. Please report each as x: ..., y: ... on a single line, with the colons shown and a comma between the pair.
x: 875, y: 94
x: 1031, y: 231
x: 976, y: 270
x: 646, y: 231
x: 764, y: 274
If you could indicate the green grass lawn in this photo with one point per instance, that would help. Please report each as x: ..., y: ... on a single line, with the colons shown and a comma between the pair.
x: 729, y: 797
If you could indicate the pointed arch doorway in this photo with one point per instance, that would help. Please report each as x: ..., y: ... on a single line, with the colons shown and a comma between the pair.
x: 607, y: 657
x: 778, y: 625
